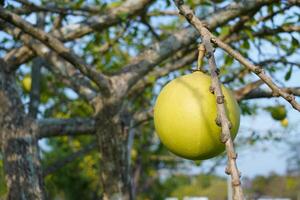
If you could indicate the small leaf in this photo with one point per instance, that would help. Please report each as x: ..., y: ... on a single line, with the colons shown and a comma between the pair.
x: 288, y: 74
x: 295, y: 42
x: 225, y: 30
x: 228, y: 60
x: 246, y: 44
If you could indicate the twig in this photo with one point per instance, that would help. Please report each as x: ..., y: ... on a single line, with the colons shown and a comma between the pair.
x: 256, y: 69
x: 216, y: 85
x: 100, y: 79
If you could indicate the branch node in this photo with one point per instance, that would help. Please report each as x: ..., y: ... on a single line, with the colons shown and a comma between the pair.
x: 212, y: 89
x: 290, y: 97
x: 236, y: 182
x: 224, y: 138
x: 258, y: 70
x: 233, y: 155
x: 229, y: 125
x: 213, y: 40
x: 218, y: 121
x: 220, y: 99
x: 275, y: 94
x: 189, y: 16
x: 227, y: 170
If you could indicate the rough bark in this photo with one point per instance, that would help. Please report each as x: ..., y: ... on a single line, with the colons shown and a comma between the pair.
x: 112, y: 135
x: 18, y: 145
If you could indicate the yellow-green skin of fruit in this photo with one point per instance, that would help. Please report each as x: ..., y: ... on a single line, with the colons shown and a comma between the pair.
x: 26, y: 83
x: 185, y: 113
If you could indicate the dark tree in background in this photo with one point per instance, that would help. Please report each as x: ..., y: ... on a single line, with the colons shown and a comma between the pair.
x: 95, y: 69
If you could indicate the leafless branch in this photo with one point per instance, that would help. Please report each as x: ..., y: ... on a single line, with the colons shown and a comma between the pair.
x: 263, y: 93
x: 242, y: 92
x: 216, y: 85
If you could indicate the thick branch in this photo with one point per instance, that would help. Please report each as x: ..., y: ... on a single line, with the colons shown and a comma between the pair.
x: 70, y: 32
x: 152, y: 56
x: 62, y: 69
x: 216, y: 85
x: 53, y: 43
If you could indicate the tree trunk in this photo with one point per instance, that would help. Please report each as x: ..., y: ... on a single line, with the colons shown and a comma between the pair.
x: 18, y: 145
x: 112, y: 137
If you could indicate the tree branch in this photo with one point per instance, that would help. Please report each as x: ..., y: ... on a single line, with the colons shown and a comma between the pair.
x: 258, y: 71
x: 216, y: 85
x: 62, y: 69
x: 159, y: 51
x: 52, y: 127
x: 100, y: 79
x: 70, y: 32
x: 244, y: 91
x: 263, y: 93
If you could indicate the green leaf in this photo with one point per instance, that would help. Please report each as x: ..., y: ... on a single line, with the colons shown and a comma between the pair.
x: 225, y: 30
x: 295, y: 42
x: 288, y: 74
x: 228, y: 60
x: 246, y: 44
x: 250, y: 35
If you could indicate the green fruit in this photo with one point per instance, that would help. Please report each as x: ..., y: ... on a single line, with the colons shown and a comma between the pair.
x: 278, y: 112
x: 185, y: 114
x: 284, y: 122
x: 26, y: 83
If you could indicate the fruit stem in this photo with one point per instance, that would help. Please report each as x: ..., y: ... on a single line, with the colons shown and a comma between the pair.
x: 201, y: 53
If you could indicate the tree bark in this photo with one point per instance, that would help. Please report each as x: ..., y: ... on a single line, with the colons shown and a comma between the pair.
x: 112, y: 135
x: 18, y: 144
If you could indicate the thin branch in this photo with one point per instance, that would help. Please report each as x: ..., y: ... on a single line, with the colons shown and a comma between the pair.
x: 159, y: 51
x: 100, y: 79
x: 176, y: 62
x: 263, y: 93
x: 70, y: 32
x: 62, y: 69
x: 52, y: 127
x: 242, y: 92
x: 36, y: 77
x: 216, y: 85
x: 258, y: 71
